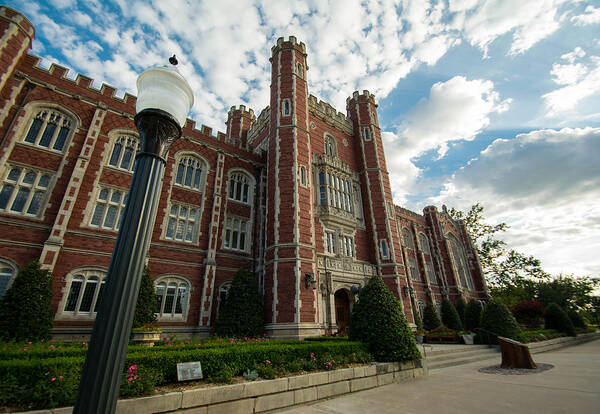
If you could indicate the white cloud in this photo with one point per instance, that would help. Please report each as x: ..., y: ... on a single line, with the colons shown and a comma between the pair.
x: 591, y: 16
x: 545, y: 184
x: 568, y: 74
x: 570, y: 57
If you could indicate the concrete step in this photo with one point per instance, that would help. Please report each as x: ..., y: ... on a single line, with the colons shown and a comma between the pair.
x: 451, y: 349
x: 435, y: 365
x: 460, y: 355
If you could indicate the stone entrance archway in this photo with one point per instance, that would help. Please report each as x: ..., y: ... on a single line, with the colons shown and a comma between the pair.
x: 342, y: 311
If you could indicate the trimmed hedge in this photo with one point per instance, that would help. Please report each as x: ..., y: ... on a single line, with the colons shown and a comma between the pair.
x: 53, y: 382
x: 498, y: 320
x: 473, y: 315
x: 377, y: 320
x: 431, y: 319
x: 576, y: 319
x: 556, y: 318
x: 461, y: 307
x: 450, y: 317
x: 146, y: 304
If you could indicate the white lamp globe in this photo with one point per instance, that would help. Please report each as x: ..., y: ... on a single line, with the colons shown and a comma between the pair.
x: 164, y: 88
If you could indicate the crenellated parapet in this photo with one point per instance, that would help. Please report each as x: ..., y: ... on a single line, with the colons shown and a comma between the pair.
x: 366, y: 96
x: 290, y: 43
x: 258, y: 126
x: 329, y: 114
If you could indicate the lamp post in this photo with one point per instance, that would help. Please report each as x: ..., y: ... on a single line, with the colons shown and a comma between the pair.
x: 164, y: 99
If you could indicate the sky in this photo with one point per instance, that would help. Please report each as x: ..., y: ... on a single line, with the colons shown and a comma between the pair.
x: 489, y: 101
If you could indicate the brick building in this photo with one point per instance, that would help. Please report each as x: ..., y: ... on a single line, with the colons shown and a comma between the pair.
x: 300, y: 194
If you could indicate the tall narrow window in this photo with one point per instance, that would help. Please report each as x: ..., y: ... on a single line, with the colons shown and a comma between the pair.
x: 7, y: 272
x: 182, y: 223
x: 236, y: 234
x: 49, y: 129
x: 414, y: 269
x: 303, y: 175
x: 330, y: 146
x: 424, y: 242
x: 23, y: 191
x: 286, y: 107
x: 461, y: 263
x: 124, y: 151
x: 109, y: 208
x: 348, y: 246
x: 329, y: 242
x: 299, y: 70
x: 85, y: 293
x: 407, y: 238
x: 367, y: 133
x: 239, y: 187
x: 189, y: 173
x: 431, y: 273
x: 384, y: 249
x: 322, y: 189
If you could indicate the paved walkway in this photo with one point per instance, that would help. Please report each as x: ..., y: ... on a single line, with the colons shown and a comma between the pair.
x: 572, y: 386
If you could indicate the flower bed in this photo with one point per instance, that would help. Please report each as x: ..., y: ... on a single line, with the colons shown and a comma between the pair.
x: 39, y: 378
x: 537, y: 335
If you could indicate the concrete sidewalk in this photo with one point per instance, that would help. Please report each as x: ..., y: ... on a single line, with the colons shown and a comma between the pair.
x: 572, y: 386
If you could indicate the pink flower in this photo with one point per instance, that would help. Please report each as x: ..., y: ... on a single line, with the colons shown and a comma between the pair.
x: 29, y: 343
x: 51, y: 347
x: 53, y: 379
x: 61, y: 377
x: 268, y: 362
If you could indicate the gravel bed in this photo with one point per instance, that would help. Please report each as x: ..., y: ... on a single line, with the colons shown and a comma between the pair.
x: 498, y: 370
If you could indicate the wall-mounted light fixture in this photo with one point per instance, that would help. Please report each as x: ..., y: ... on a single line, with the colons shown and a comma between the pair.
x: 355, y: 289
x: 407, y: 290
x: 309, y: 279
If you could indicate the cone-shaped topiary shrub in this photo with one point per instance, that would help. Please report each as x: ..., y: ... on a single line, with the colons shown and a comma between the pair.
x: 417, y: 317
x: 461, y: 306
x: 556, y: 318
x: 473, y: 315
x: 145, y: 307
x: 576, y: 319
x: 25, y: 309
x: 498, y: 320
x: 450, y: 317
x: 377, y: 320
x: 241, y: 315
x: 431, y: 319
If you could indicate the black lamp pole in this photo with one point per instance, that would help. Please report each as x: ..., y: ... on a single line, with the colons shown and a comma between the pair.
x: 101, y: 376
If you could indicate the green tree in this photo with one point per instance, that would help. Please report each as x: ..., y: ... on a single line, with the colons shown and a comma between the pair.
x: 431, y: 319
x: 418, y: 321
x: 473, y: 315
x: 567, y: 291
x: 26, y: 308
x: 377, y: 320
x: 241, y: 315
x: 460, y: 308
x: 145, y: 307
x: 556, y: 318
x: 497, y: 320
x: 450, y: 317
x: 576, y: 319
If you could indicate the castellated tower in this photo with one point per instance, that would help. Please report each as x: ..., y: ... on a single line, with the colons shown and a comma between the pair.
x: 290, y: 306
x: 380, y: 215
x: 239, y: 121
x: 16, y: 35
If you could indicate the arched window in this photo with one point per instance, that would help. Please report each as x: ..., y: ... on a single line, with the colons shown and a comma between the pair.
x: 286, y: 108
x: 330, y: 146
x: 424, y: 242
x: 24, y: 191
x: 431, y: 273
x: 172, y: 297
x: 189, y: 173
x: 124, y: 151
x: 299, y: 70
x: 421, y: 308
x: 302, y: 175
x: 85, y: 290
x: 460, y: 260
x: 414, y: 269
x: 239, y: 187
x: 50, y: 129
x: 407, y: 238
x: 8, y: 271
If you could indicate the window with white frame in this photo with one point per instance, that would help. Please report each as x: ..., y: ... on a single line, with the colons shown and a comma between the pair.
x: 109, y: 207
x: 414, y: 269
x: 189, y: 173
x: 49, y: 129
x: 348, y: 246
x: 182, y: 224
x: 421, y: 308
x: 24, y: 190
x: 286, y: 108
x: 367, y: 133
x: 461, y: 262
x: 391, y: 209
x: 431, y: 273
x: 172, y: 297
x: 239, y: 187
x: 329, y: 242
x: 407, y: 238
x: 299, y: 70
x: 7, y: 273
x: 303, y: 176
x: 330, y: 146
x: 236, y: 234
x: 124, y: 151
x: 424, y: 242
x: 339, y: 191
x: 384, y: 249
x: 86, y: 289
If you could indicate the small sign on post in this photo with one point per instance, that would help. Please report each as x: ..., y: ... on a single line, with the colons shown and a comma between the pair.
x: 187, y: 371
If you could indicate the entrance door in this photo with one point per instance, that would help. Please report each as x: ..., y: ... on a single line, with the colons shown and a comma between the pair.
x: 342, y: 311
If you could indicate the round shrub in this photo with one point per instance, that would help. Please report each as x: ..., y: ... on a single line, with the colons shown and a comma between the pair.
x: 377, y: 320
x: 450, y: 317
x: 242, y: 312
x: 529, y: 313
x: 556, y: 318
x: 25, y: 309
x: 497, y: 320
x: 473, y: 315
x: 431, y: 319
x: 576, y: 319
x: 461, y: 307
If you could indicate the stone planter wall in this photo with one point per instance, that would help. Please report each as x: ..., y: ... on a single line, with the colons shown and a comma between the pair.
x: 551, y: 344
x: 260, y: 396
